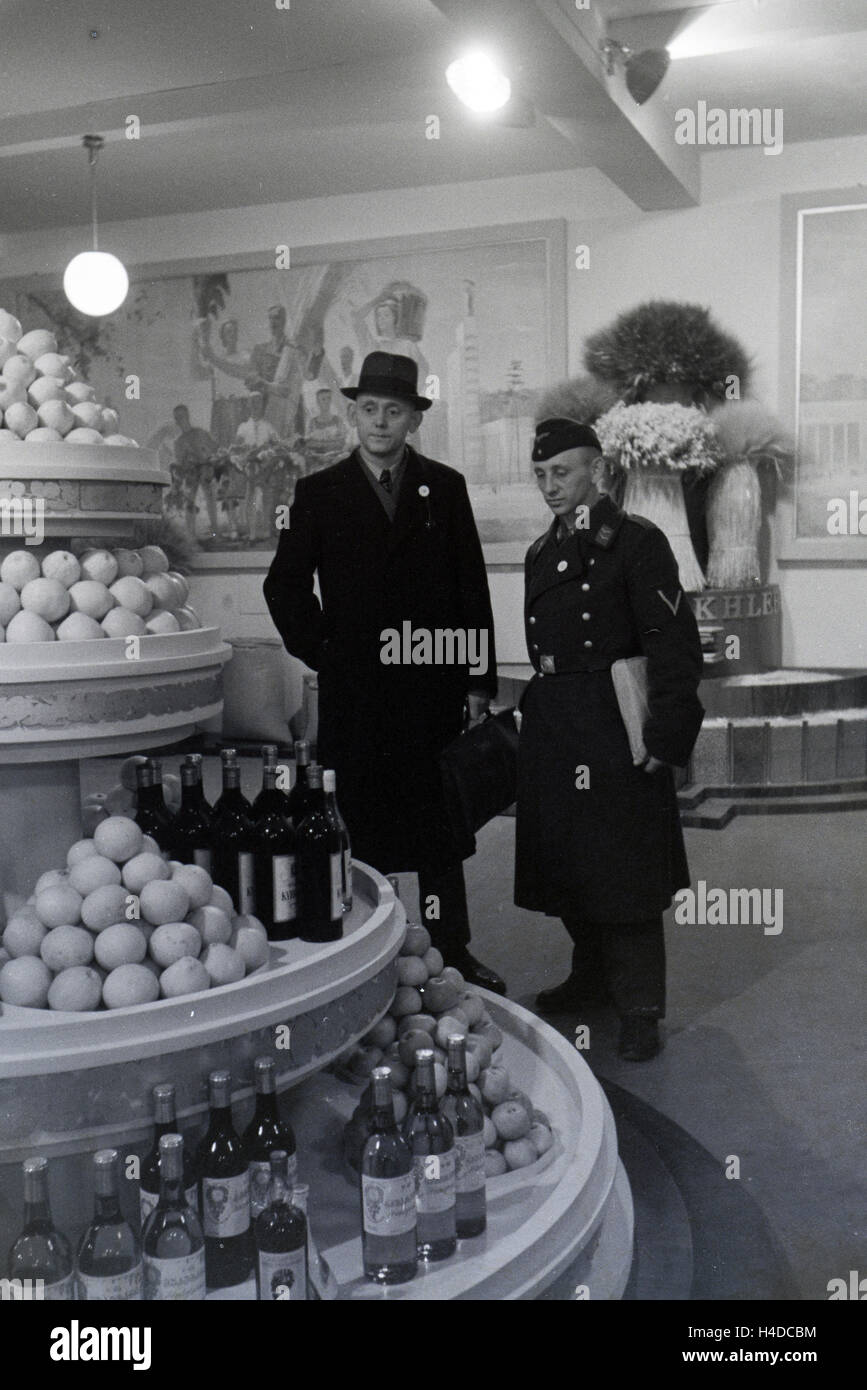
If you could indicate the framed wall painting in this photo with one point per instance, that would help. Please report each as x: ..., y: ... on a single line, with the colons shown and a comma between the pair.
x: 240, y: 364
x: 823, y: 510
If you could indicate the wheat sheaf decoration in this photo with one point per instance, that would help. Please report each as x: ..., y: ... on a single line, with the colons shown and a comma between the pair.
x: 667, y: 342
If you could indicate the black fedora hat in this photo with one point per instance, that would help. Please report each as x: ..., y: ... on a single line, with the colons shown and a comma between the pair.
x: 388, y: 374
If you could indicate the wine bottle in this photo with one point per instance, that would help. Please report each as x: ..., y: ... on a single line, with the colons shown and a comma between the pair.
x: 149, y: 1181
x: 276, y: 890
x: 388, y: 1204
x: 191, y: 829
x: 109, y: 1253
x: 195, y: 760
x: 319, y: 870
x: 270, y: 797
x: 228, y: 755
x: 299, y: 797
x: 41, y: 1254
x: 281, y: 1239
x: 234, y: 842
x: 321, y: 1283
x: 431, y: 1139
x: 152, y: 815
x: 332, y: 810
x: 173, y: 1243
x: 467, y: 1119
x: 265, y: 1133
x: 224, y: 1186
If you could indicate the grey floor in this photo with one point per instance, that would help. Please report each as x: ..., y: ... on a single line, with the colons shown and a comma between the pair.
x: 765, y: 1056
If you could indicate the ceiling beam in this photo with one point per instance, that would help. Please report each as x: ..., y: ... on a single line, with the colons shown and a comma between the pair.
x: 552, y: 55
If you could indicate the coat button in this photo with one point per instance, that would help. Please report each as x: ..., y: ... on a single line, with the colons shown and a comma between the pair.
x: 532, y: 620
x: 535, y: 647
x: 585, y: 617
x: 564, y: 564
x: 585, y: 587
x: 593, y: 562
x: 588, y: 644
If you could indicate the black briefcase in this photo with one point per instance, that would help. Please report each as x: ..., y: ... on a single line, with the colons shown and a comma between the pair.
x: 480, y: 776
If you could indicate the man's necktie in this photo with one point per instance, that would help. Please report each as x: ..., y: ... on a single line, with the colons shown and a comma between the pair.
x: 385, y: 479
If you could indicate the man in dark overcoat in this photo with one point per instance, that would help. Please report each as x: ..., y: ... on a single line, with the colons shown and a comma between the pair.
x: 391, y: 536
x: 599, y: 841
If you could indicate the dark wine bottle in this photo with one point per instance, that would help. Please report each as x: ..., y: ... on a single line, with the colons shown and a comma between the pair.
x: 173, y: 1243
x: 191, y: 828
x: 276, y: 889
x: 109, y: 1253
x: 149, y: 1181
x: 234, y: 842
x: 467, y: 1119
x: 281, y: 1239
x: 431, y: 1139
x: 388, y: 1206
x: 332, y: 810
x: 265, y: 1133
x: 228, y: 755
x: 152, y: 815
x: 299, y: 797
x: 224, y: 1187
x: 319, y: 870
x: 195, y: 760
x: 271, y: 797
x: 41, y: 1254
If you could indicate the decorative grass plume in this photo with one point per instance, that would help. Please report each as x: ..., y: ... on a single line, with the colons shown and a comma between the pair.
x: 665, y: 341
x: 580, y: 398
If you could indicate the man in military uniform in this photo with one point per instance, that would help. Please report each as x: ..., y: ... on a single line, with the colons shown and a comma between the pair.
x: 599, y: 841
x: 392, y: 538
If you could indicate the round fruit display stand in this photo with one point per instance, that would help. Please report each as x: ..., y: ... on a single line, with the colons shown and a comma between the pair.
x: 73, y: 1083
x: 65, y: 700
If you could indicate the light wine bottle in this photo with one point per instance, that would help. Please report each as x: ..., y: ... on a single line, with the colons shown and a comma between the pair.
x: 275, y: 866
x: 321, y: 1283
x: 152, y: 815
x: 109, y: 1253
x: 319, y: 870
x: 467, y: 1120
x: 191, y: 828
x: 224, y: 1188
x: 281, y: 1240
x: 41, y: 1254
x: 173, y: 1243
x: 149, y: 1181
x: 332, y: 810
x: 234, y: 842
x: 299, y: 796
x: 388, y: 1204
x: 431, y: 1139
x: 265, y: 1133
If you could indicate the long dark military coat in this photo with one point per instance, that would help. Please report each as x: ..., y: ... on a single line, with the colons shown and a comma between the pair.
x: 612, y: 851
x: 382, y: 727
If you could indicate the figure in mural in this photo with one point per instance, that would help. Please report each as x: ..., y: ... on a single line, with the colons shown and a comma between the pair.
x: 278, y: 368
x: 227, y: 367
x: 325, y: 440
x: 253, y: 436
x: 398, y: 323
x: 195, y: 455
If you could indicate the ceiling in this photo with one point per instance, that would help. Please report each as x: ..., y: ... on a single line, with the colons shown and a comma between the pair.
x: 242, y: 103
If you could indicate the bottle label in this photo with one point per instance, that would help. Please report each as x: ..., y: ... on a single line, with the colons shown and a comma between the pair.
x: 434, y: 1181
x: 115, y: 1288
x: 246, y: 884
x: 336, y: 886
x: 170, y: 1280
x: 469, y: 1162
x: 148, y: 1200
x: 202, y: 857
x: 283, y: 1276
x: 226, y: 1205
x: 63, y: 1288
x: 260, y: 1182
x: 347, y: 876
x: 284, y: 900
x: 388, y: 1205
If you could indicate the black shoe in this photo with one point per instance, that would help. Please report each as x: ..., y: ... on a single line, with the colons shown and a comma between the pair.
x: 574, y: 992
x: 475, y: 973
x: 639, y: 1038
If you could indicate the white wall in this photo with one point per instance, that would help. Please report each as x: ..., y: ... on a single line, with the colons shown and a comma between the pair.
x: 725, y: 254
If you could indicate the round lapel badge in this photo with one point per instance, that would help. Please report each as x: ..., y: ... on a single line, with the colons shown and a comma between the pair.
x: 424, y: 490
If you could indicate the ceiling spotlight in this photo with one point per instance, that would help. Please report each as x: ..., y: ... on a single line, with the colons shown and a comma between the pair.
x: 644, y: 71
x: 95, y: 282
x: 478, y: 82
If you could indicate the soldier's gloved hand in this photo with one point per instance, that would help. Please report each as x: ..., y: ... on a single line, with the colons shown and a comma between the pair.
x: 653, y: 765
x: 477, y: 705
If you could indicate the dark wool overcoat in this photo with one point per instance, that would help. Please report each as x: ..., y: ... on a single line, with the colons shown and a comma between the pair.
x: 611, y: 850
x: 383, y: 726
